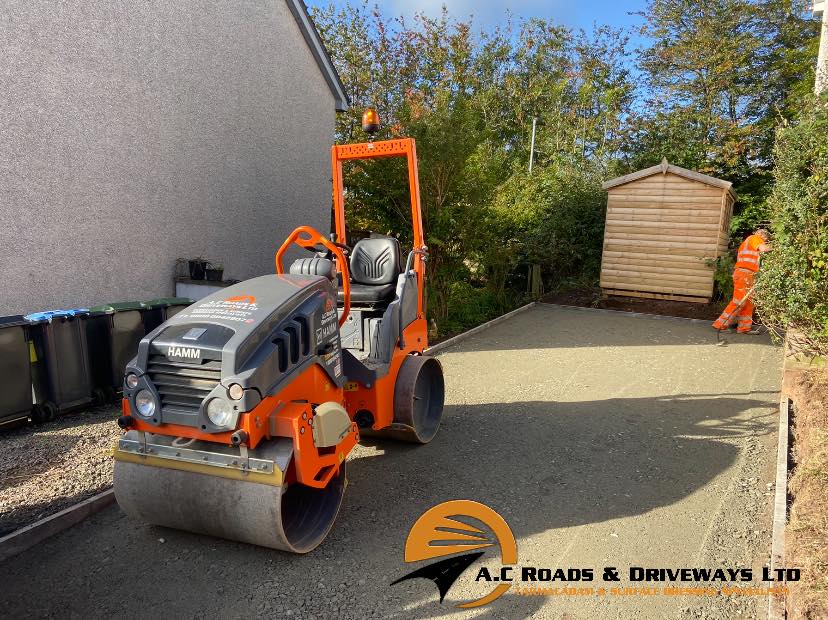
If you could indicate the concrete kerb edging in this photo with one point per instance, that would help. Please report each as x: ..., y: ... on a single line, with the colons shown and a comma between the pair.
x: 30, y: 535
x: 642, y: 315
x: 476, y: 330
x: 776, y: 604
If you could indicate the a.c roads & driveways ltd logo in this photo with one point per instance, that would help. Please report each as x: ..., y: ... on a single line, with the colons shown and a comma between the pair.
x: 447, y: 530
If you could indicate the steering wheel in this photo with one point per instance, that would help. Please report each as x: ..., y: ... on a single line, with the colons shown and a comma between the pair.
x: 310, y: 239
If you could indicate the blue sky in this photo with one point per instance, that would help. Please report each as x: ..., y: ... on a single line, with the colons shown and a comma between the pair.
x: 573, y: 13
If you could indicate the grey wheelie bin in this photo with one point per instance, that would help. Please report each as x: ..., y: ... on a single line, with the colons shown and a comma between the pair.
x: 113, y: 332
x: 61, y: 377
x: 16, y: 371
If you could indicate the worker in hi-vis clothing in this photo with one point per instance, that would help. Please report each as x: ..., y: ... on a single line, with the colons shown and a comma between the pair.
x: 740, y: 309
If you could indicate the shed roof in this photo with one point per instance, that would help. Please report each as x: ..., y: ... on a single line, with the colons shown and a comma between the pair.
x: 665, y: 167
x: 320, y: 54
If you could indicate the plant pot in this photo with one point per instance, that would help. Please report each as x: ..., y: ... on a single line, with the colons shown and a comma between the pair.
x: 197, y: 269
x: 215, y: 274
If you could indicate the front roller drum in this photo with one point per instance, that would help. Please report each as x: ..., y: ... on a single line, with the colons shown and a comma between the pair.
x: 419, y: 394
x: 294, y: 518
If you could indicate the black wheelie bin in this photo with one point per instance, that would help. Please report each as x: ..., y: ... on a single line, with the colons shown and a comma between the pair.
x: 61, y: 376
x: 16, y: 402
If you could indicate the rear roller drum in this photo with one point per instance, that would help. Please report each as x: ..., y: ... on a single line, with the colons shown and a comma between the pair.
x: 419, y: 394
x: 293, y: 518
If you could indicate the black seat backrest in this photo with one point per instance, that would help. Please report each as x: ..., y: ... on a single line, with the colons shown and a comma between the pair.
x: 376, y: 261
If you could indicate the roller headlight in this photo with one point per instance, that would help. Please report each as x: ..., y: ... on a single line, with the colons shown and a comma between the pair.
x: 145, y: 404
x: 220, y: 412
x: 132, y: 381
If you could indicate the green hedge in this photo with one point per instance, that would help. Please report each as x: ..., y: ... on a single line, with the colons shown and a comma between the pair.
x: 792, y: 288
x: 553, y: 218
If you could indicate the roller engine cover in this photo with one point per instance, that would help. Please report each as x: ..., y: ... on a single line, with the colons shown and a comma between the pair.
x: 258, y: 334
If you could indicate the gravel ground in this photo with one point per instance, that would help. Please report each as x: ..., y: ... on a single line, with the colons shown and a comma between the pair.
x: 603, y: 440
x: 44, y: 469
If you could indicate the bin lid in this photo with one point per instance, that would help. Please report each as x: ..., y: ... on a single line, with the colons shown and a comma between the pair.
x: 166, y: 302
x: 48, y: 315
x: 14, y: 320
x: 121, y: 306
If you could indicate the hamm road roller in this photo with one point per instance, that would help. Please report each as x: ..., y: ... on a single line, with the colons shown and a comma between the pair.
x: 240, y: 412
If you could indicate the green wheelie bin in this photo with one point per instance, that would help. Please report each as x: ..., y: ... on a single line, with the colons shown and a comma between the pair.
x: 163, y: 309
x: 113, y: 332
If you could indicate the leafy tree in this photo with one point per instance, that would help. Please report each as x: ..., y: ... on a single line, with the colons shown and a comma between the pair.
x: 468, y: 100
x: 699, y: 70
x: 722, y: 75
x: 719, y: 77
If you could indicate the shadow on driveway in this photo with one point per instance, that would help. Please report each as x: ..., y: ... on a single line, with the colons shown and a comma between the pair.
x: 542, y: 465
x: 574, y: 463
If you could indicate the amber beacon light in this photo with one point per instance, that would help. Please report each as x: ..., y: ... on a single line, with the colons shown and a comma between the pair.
x: 370, y: 121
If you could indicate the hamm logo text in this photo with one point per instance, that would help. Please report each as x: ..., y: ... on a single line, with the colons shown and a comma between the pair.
x: 184, y: 352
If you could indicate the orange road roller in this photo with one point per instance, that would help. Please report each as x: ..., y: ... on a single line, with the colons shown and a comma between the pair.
x: 240, y: 412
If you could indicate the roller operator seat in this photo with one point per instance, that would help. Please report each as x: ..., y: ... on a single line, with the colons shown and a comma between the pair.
x: 375, y: 265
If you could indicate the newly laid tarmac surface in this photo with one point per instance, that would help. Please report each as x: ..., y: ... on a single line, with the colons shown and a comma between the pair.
x: 602, y: 439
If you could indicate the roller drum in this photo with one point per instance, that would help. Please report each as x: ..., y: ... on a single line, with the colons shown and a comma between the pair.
x: 419, y: 395
x: 293, y: 518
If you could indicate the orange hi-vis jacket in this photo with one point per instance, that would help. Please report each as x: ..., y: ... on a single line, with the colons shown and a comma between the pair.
x: 748, y: 256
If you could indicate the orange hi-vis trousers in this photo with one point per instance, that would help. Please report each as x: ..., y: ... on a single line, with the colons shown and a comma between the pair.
x: 741, y: 306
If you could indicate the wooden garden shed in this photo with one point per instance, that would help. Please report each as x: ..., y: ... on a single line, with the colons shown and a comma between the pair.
x: 665, y: 226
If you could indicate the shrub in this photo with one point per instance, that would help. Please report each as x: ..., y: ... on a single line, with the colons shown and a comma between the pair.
x: 723, y: 276
x: 792, y: 288
x: 553, y: 218
x: 469, y: 306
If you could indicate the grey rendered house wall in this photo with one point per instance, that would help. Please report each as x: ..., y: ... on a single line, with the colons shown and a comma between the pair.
x: 134, y: 133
